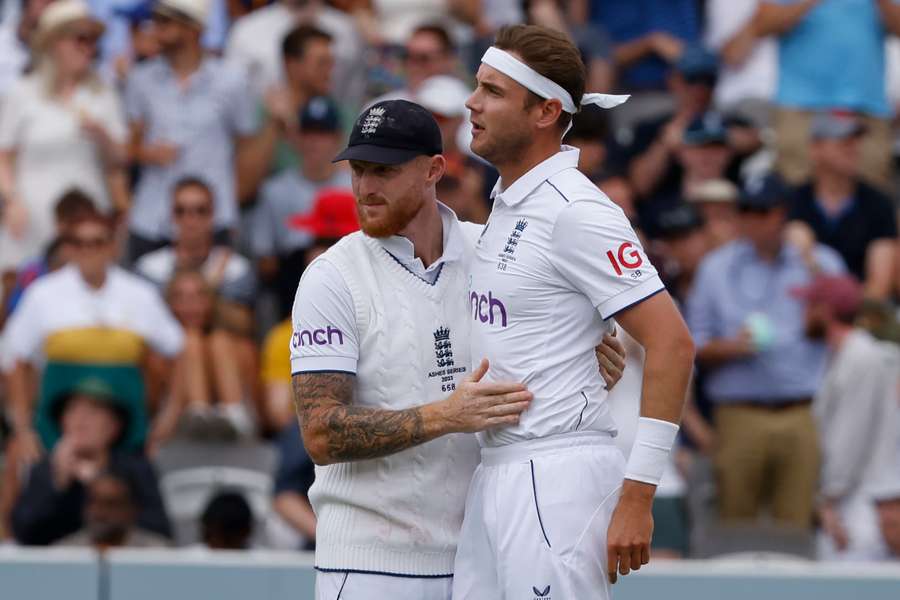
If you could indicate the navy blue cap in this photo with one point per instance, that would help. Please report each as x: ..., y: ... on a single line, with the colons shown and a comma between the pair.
x: 393, y: 132
x: 678, y: 221
x: 708, y: 128
x: 320, y: 114
x: 696, y: 62
x: 763, y: 193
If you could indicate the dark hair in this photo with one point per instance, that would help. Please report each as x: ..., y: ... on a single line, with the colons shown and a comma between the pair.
x: 192, y: 181
x: 228, y: 520
x: 591, y: 124
x: 72, y: 204
x: 123, y: 475
x: 438, y: 31
x: 295, y: 43
x: 550, y: 53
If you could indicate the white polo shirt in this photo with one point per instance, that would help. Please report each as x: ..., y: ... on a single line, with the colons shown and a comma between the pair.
x: 323, y: 312
x: 556, y: 261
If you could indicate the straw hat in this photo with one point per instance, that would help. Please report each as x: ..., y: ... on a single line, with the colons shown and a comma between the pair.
x: 58, y: 16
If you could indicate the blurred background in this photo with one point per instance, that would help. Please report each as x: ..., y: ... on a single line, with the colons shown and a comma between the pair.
x: 165, y: 177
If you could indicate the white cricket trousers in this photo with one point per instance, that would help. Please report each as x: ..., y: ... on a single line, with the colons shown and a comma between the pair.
x: 344, y: 585
x: 536, y: 520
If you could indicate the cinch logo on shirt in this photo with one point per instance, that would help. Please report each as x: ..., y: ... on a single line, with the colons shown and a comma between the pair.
x: 317, y: 337
x: 487, y: 309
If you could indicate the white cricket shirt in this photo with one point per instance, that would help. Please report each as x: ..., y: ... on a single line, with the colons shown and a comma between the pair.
x: 325, y: 336
x: 556, y: 261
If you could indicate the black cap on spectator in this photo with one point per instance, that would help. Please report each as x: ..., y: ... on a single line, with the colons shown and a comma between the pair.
x: 706, y: 129
x: 393, y: 132
x: 320, y: 114
x: 763, y: 193
x: 835, y: 126
x: 697, y: 64
x: 678, y: 221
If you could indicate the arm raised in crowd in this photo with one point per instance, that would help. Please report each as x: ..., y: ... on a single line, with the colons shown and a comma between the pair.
x: 336, y: 430
x: 777, y: 19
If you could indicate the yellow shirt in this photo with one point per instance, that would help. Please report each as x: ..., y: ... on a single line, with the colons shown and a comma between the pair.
x: 276, y: 356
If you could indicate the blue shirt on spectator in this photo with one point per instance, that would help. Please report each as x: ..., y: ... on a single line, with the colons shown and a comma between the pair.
x: 834, y: 58
x: 734, y: 283
x: 629, y: 20
x: 202, y: 117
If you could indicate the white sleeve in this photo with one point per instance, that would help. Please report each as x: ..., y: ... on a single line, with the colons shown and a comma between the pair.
x: 324, y: 337
x: 24, y: 332
x: 597, y: 251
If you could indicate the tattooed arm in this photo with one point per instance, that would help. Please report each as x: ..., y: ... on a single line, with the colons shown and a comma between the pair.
x: 336, y: 430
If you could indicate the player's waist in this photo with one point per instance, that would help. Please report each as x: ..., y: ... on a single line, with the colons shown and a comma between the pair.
x: 527, y: 449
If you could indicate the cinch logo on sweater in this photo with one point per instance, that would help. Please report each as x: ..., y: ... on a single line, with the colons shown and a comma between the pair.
x: 487, y: 309
x: 317, y: 337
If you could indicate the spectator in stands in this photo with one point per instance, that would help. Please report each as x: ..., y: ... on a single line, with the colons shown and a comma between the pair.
x: 228, y: 273
x: 60, y: 114
x: 210, y: 384
x: 69, y: 209
x: 652, y: 147
x: 843, y: 211
x: 592, y: 40
x: 683, y: 244
x: 332, y: 217
x: 716, y: 200
x: 256, y: 38
x: 761, y: 371
x: 429, y: 51
x: 308, y: 67
x: 278, y: 247
x: 293, y: 479
x: 859, y: 426
x: 93, y: 421
x: 190, y: 114
x: 749, y: 70
x: 831, y: 55
x: 227, y: 522
x: 90, y: 315
x: 15, y: 36
x: 649, y: 36
x: 110, y: 516
x: 703, y: 154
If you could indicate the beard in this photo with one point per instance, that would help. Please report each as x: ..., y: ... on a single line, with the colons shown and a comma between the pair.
x: 501, y: 146
x: 397, y: 215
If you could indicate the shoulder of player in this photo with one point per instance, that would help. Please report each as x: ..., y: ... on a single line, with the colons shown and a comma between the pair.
x: 470, y: 232
x: 575, y: 189
x: 328, y: 266
x: 132, y: 285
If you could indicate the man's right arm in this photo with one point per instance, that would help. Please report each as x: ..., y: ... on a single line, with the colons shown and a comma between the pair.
x: 334, y: 429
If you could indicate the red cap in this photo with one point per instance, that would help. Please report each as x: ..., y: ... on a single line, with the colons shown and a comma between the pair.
x: 842, y: 293
x: 333, y: 215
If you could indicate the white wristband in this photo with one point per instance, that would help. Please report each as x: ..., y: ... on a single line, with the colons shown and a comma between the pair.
x: 650, y: 453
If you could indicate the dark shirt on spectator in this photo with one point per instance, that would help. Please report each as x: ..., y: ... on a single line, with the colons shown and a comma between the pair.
x: 43, y: 515
x: 868, y: 216
x: 628, y: 21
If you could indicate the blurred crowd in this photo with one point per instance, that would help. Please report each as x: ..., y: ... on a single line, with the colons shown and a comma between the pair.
x: 166, y: 175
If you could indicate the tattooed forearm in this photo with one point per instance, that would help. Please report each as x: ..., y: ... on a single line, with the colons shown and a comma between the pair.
x: 334, y: 430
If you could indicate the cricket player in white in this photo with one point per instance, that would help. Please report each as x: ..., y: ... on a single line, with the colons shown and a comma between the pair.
x: 380, y: 358
x: 556, y: 262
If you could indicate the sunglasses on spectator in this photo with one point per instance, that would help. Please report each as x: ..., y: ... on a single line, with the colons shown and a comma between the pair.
x: 84, y: 38
x: 88, y: 243
x: 423, y: 57
x: 197, y: 211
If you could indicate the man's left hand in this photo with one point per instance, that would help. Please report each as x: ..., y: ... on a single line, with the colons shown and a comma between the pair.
x: 611, y: 358
x: 630, y: 530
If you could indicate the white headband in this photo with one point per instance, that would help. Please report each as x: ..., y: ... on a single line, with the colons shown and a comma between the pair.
x: 512, y: 67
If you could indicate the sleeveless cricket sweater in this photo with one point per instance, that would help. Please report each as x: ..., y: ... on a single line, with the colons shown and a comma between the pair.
x: 400, y: 514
